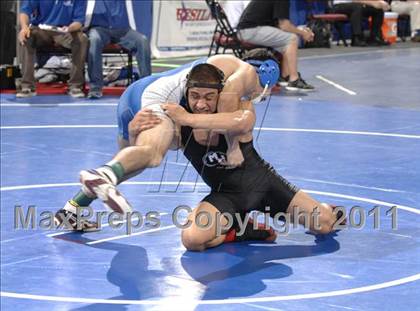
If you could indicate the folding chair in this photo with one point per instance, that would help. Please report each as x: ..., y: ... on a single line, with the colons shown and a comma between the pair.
x: 224, y: 35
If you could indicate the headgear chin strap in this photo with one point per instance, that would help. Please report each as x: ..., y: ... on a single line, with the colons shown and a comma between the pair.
x: 268, y: 71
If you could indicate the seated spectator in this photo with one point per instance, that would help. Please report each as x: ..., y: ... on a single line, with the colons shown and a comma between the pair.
x: 70, y: 15
x: 412, y: 8
x: 234, y: 10
x: 109, y: 23
x: 267, y: 23
x: 356, y: 10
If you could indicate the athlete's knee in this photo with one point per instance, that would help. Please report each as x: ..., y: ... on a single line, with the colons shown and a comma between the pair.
x: 192, y: 242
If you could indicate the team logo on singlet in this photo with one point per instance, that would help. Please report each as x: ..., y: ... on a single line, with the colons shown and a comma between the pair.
x: 214, y: 158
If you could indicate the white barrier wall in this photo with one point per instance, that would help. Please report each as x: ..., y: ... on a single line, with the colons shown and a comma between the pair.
x: 181, y: 28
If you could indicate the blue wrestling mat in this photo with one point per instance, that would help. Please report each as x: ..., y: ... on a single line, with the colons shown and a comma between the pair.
x: 354, y: 142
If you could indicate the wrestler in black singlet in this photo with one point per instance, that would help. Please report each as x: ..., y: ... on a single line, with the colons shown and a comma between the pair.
x: 252, y: 186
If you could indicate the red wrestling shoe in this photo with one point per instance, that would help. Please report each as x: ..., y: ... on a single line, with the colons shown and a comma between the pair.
x: 251, y: 234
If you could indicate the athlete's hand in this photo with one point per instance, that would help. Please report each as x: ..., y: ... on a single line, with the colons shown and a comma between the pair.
x: 234, y: 156
x: 176, y: 112
x: 143, y: 120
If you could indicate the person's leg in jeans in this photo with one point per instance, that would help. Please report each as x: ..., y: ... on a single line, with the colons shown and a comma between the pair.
x: 138, y: 44
x: 77, y: 42
x: 98, y: 38
x: 79, y: 45
x: 37, y: 38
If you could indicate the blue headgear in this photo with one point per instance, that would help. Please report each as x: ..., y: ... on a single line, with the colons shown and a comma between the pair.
x: 268, y: 71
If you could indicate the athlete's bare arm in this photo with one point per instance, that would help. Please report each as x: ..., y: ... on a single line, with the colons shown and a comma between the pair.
x: 241, y: 77
x: 241, y: 80
x: 239, y: 123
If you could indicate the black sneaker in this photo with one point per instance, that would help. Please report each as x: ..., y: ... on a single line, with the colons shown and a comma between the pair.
x: 299, y: 85
x: 67, y: 220
x: 283, y: 81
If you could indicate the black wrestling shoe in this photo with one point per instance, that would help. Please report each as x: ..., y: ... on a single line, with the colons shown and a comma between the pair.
x: 67, y: 220
x: 251, y: 234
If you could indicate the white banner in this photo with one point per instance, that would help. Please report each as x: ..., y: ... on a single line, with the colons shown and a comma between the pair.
x: 181, y: 28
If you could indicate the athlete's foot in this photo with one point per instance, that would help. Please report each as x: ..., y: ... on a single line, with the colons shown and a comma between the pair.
x: 97, y: 184
x: 67, y: 219
x: 251, y: 234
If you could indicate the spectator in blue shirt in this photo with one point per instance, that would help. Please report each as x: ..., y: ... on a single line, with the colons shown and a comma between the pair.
x: 109, y: 23
x: 69, y: 15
